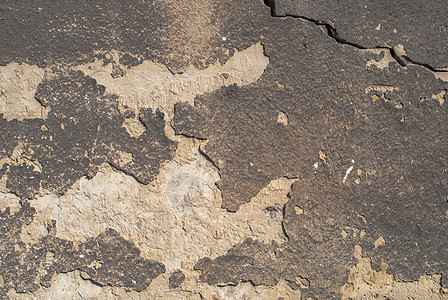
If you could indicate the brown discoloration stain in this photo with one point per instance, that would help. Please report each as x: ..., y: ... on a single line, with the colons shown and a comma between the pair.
x: 193, y: 26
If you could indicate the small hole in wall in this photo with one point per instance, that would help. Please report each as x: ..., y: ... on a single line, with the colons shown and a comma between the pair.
x: 134, y: 126
x: 282, y: 118
x: 298, y: 210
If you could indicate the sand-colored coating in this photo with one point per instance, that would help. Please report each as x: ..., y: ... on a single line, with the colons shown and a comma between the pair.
x: 9, y: 200
x: 153, y: 85
x: 382, y: 63
x: 18, y: 83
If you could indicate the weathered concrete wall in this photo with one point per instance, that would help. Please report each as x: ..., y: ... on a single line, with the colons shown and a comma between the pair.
x: 224, y: 150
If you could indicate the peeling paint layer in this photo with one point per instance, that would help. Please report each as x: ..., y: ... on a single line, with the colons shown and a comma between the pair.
x: 362, y: 137
x: 182, y: 207
x: 105, y: 259
x: 82, y: 131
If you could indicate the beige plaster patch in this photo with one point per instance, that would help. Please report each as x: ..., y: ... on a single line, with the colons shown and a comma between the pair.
x: 153, y: 85
x: 18, y: 83
x: 384, y: 62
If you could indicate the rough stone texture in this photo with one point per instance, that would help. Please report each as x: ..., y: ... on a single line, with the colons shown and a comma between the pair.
x: 261, y: 101
x: 382, y: 153
x: 251, y: 148
x: 420, y: 27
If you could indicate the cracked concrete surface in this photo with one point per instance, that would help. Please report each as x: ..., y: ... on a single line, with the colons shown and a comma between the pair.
x: 417, y: 26
x: 276, y: 149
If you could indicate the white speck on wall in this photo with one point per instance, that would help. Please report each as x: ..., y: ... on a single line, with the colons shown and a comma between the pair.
x: 347, y: 173
x: 224, y: 38
x: 316, y: 165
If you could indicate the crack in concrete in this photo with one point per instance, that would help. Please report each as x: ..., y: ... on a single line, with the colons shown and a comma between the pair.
x: 403, y: 60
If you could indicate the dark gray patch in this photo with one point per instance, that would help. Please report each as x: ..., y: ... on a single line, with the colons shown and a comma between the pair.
x: 82, y: 131
x: 108, y: 259
x: 337, y: 112
x: 129, y: 60
x: 19, y: 268
x: 176, y: 279
x: 46, y: 33
x: 324, y: 90
x: 249, y: 261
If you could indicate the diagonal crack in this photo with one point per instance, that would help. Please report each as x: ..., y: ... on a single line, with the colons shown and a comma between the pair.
x: 332, y: 32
